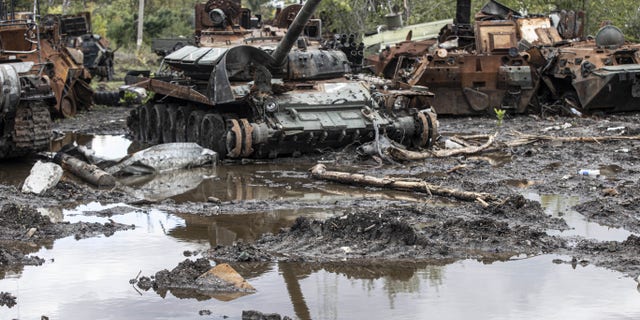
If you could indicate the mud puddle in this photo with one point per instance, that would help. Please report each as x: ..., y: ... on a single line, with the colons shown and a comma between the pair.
x: 109, y: 147
x: 92, y: 280
x: 560, y: 206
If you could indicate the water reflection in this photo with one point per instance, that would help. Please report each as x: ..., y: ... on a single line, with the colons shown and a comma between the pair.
x: 107, y: 147
x: 92, y: 281
x: 227, y: 229
x: 560, y: 206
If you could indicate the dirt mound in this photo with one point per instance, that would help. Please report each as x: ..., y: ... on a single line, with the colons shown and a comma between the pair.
x: 364, y: 226
x: 613, y: 212
x: 621, y: 256
x: 242, y: 252
x: 6, y: 299
x: 182, y: 276
x: 397, y: 234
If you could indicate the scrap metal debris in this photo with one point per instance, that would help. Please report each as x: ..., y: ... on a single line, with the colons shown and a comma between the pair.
x: 165, y: 157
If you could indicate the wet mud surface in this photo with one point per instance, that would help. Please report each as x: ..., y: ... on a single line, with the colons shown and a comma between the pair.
x: 382, y: 227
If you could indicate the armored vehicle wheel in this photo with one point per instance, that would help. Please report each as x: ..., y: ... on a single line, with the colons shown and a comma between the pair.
x: 68, y: 107
x: 182, y: 117
x: 426, y: 130
x: 193, y: 125
x: 156, y: 114
x: 169, y: 124
x: 213, y: 133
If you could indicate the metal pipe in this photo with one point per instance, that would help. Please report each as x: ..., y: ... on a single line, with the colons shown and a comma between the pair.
x: 294, y: 31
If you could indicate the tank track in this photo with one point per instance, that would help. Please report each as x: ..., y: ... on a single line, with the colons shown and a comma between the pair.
x: 232, y: 135
x: 31, y: 130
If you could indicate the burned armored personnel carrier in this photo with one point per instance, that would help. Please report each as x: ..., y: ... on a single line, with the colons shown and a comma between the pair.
x: 77, y: 33
x: 26, y: 95
x: 246, y: 101
x: 40, y: 42
x: 475, y: 68
x: 600, y: 74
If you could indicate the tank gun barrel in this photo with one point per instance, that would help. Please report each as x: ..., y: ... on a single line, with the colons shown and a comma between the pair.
x: 294, y: 31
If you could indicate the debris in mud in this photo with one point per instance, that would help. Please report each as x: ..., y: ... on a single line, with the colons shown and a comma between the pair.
x: 43, y: 176
x: 197, y: 279
x: 319, y: 171
x: 165, y: 157
x: 6, y: 299
x: 257, y: 315
x: 88, y: 172
x: 223, y: 277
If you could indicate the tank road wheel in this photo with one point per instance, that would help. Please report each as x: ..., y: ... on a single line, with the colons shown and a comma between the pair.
x: 182, y: 117
x: 68, y: 107
x: 193, y: 126
x: 426, y: 130
x: 156, y: 117
x: 239, y: 139
x: 169, y: 124
x: 213, y: 134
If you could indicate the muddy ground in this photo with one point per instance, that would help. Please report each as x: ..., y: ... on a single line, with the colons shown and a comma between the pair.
x: 417, y: 227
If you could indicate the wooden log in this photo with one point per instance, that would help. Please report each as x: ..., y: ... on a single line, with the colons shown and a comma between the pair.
x: 406, y: 155
x: 319, y: 171
x: 87, y: 172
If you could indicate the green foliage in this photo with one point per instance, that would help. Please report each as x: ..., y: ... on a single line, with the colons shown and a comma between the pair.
x: 499, y: 115
x: 117, y: 19
x: 128, y: 98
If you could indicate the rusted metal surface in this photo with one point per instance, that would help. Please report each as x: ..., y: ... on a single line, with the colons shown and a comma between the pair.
x: 23, y: 41
x: 598, y: 78
x: 26, y: 95
x: 519, y: 63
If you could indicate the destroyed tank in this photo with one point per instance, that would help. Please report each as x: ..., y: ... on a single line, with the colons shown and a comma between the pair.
x: 26, y: 95
x: 247, y: 101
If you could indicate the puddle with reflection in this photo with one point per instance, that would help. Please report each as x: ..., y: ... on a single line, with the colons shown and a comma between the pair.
x: 560, y: 206
x: 92, y: 281
x: 14, y: 172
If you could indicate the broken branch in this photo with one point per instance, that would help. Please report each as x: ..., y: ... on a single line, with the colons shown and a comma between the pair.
x: 319, y: 171
x: 402, y: 154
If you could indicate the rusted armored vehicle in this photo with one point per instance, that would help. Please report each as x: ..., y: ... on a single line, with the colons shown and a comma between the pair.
x: 77, y: 33
x: 600, y: 74
x: 251, y: 101
x: 25, y: 41
x: 473, y: 69
x: 26, y: 95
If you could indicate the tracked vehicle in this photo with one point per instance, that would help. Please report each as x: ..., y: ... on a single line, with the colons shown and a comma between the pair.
x: 26, y: 95
x: 246, y: 101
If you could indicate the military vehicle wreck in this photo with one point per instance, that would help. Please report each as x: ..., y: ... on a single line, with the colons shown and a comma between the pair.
x: 98, y: 58
x: 517, y: 63
x: 27, y: 94
x: 242, y: 101
x: 600, y: 74
x: 27, y: 38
